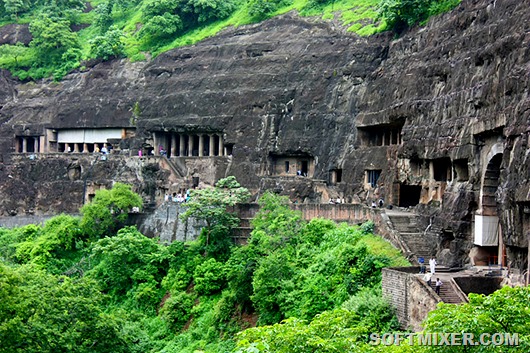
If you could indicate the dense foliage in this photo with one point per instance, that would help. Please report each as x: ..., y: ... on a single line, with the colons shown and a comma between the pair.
x: 309, y: 286
x: 68, y: 34
x: 400, y: 14
x: 82, y: 284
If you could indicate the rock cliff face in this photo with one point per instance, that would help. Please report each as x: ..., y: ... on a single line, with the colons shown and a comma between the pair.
x: 438, y: 119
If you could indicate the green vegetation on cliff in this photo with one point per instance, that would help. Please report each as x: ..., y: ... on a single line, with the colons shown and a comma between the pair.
x: 82, y: 285
x: 91, y: 285
x: 67, y: 34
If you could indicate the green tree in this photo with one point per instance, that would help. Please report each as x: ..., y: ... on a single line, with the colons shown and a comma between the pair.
x: 13, y: 51
x: 52, y: 38
x: 58, y: 235
x: 130, y: 263
x: 40, y: 313
x: 210, y: 206
x: 505, y: 311
x: 261, y: 9
x: 161, y: 26
x: 108, y: 45
x: 103, y: 16
x: 400, y: 14
x: 15, y: 7
x: 108, y: 210
x: 211, y: 10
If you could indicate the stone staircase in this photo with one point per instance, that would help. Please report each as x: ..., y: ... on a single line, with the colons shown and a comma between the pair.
x: 406, y: 225
x: 448, y: 292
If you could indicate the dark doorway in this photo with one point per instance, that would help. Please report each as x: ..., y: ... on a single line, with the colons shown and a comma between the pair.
x: 409, y: 195
x: 305, y: 168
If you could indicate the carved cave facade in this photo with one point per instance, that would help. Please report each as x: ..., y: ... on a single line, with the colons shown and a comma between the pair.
x: 442, y: 132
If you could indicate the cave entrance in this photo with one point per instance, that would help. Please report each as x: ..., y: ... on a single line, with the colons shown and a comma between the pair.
x: 488, y: 231
x: 305, y: 168
x: 409, y: 195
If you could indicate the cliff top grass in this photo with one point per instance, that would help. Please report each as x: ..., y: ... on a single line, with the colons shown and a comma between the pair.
x: 137, y: 29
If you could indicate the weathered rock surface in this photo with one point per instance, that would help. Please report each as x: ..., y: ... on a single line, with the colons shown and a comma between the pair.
x: 440, y: 115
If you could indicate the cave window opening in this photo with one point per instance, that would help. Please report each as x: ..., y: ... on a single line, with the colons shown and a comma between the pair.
x: 415, y: 167
x: 409, y: 195
x: 229, y: 149
x: 305, y: 168
x: 206, y: 146
x: 335, y: 176
x: 461, y: 169
x: 195, y: 182
x: 447, y: 238
x: 372, y: 176
x: 287, y: 166
x: 195, y: 148
x: 442, y: 169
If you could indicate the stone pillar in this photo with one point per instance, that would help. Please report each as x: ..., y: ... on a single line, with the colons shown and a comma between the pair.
x: 67, y: 147
x: 221, y: 145
x: 42, y: 144
x: 96, y: 148
x: 24, y: 145
x: 35, y: 145
x: 201, y: 145
x: 85, y: 147
x: 182, y: 146
x: 212, y: 141
x: 431, y: 171
x: 190, y: 145
x: 173, y: 145
x: 156, y: 143
x: 76, y: 147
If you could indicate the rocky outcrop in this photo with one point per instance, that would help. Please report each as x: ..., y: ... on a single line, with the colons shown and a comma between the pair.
x: 438, y: 119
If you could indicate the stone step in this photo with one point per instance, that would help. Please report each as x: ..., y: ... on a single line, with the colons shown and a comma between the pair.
x: 447, y: 294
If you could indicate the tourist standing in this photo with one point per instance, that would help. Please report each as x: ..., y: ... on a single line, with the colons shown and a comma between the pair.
x: 438, y: 286
x: 432, y: 265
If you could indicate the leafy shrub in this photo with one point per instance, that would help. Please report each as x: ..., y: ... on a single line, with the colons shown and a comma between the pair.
x: 40, y: 313
x: 210, y: 277
x: 103, y: 16
x: 211, y: 10
x: 58, y: 234
x: 108, y: 210
x: 108, y: 45
x: 126, y: 260
x: 177, y: 310
x: 400, y: 14
x: 261, y: 9
x: 368, y: 227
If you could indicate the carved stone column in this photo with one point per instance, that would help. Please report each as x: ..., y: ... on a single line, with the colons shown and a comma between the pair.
x: 190, y: 145
x: 221, y: 145
x: 173, y: 145
x: 201, y: 145
x: 182, y: 146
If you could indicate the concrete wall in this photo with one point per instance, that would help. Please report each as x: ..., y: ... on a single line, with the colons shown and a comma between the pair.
x: 412, y: 298
x: 166, y: 224
x: 20, y: 221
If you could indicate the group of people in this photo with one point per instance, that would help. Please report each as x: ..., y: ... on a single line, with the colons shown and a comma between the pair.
x: 428, y: 276
x: 337, y: 200
x: 178, y: 198
x: 379, y: 203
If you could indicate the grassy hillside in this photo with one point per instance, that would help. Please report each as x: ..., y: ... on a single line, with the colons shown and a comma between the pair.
x: 66, y: 33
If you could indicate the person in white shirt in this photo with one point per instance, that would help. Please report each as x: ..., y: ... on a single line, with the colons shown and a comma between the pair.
x: 432, y: 265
